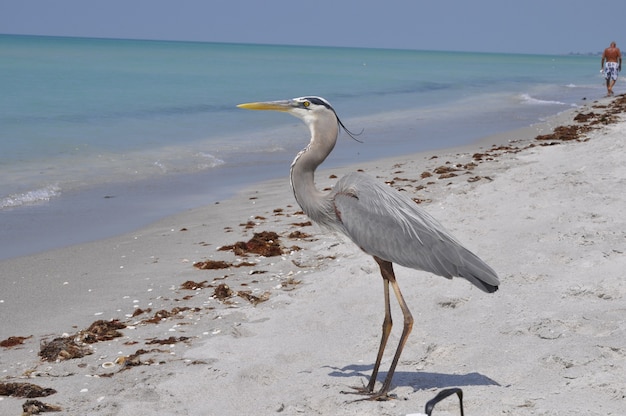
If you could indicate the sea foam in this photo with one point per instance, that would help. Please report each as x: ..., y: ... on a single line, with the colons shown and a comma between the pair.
x: 528, y: 99
x: 30, y: 197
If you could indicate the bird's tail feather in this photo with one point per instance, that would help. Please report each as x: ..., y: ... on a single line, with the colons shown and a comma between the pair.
x: 479, y: 273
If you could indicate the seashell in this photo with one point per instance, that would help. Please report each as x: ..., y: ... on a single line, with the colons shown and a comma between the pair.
x: 108, y: 364
x: 120, y: 360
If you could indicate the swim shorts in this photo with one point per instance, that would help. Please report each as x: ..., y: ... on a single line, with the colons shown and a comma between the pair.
x: 611, y: 71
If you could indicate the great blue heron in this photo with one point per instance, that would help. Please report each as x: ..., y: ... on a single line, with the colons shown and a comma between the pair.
x: 380, y: 220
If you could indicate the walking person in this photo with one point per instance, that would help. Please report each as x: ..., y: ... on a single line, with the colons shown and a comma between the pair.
x: 611, y: 65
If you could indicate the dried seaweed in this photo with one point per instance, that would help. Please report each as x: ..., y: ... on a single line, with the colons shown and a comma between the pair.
x: 191, y: 285
x: 27, y: 390
x: 222, y: 291
x: 168, y: 341
x: 101, y: 331
x: 255, y: 300
x: 298, y: 235
x: 265, y: 243
x: 34, y: 407
x: 563, y: 133
x: 63, y: 348
x: 13, y: 341
x: 162, y: 314
x: 212, y: 265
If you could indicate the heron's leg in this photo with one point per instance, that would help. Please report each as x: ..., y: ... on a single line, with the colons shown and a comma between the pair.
x: 386, y: 269
x: 387, y: 324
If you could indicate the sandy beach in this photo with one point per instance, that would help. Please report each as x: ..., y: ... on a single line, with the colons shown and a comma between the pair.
x: 184, y: 318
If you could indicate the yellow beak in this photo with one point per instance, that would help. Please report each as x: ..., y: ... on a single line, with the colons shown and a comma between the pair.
x: 285, y: 105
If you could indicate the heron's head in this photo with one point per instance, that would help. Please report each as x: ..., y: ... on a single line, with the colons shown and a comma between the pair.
x: 302, y: 107
x: 312, y: 110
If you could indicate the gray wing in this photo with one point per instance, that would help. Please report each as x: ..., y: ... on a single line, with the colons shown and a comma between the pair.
x: 387, y: 224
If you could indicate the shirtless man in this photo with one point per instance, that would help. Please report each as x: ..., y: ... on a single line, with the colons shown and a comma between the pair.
x: 611, y: 65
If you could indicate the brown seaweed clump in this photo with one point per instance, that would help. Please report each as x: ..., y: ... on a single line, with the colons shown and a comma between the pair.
x: 265, y: 243
x: 101, y: 331
x: 13, y: 341
x: 563, y: 133
x: 253, y: 299
x: 163, y: 314
x: 222, y: 292
x: 212, y: 265
x: 191, y: 285
x: 168, y: 341
x: 34, y: 407
x: 63, y: 348
x: 75, y: 346
x: 27, y: 390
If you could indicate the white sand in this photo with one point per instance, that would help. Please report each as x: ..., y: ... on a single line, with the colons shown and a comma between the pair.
x: 551, y: 341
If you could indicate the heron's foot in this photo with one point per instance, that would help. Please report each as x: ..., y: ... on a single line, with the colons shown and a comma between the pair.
x: 371, y: 395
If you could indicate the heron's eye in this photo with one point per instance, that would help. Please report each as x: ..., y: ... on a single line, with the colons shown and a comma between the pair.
x: 306, y: 104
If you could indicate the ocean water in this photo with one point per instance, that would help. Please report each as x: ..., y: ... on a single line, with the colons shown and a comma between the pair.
x: 102, y: 136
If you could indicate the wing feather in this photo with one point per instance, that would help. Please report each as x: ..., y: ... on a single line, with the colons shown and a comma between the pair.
x: 388, y: 224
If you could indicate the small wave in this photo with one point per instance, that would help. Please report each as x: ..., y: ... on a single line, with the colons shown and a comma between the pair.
x: 31, y: 197
x: 187, y: 163
x: 528, y: 99
x: 209, y: 160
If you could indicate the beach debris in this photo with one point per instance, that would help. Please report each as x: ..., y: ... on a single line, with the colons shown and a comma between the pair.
x: 265, y: 243
x: 101, y: 330
x: 445, y: 172
x: 480, y: 156
x: 140, y: 311
x: 253, y: 299
x: 218, y: 264
x: 583, y: 118
x: 13, y: 341
x: 27, y: 390
x: 298, y: 235
x: 191, y: 285
x: 248, y: 225
x: 494, y: 152
x: 131, y: 360
x: 564, y: 133
x: 477, y: 178
x: 163, y: 314
x: 75, y: 346
x: 63, y: 348
x: 302, y: 224
x: 444, y: 169
x: 212, y: 265
x: 470, y: 166
x: 35, y: 407
x: 168, y: 341
x: 222, y: 292
x: 593, y: 118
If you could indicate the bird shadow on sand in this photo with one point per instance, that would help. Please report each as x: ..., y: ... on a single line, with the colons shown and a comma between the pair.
x: 418, y: 380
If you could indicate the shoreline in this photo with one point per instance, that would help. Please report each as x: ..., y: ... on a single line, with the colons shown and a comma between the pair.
x: 203, y: 337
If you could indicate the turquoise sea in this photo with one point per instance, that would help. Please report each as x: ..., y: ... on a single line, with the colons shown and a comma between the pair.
x: 100, y: 136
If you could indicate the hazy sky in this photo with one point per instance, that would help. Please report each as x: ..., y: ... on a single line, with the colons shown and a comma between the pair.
x: 521, y: 26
